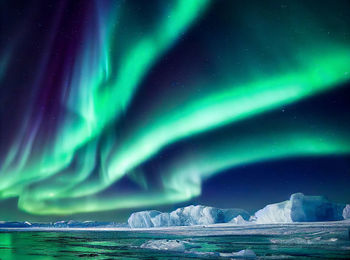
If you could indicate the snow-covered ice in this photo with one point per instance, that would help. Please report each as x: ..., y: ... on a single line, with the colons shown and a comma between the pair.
x: 14, y: 224
x: 143, y: 219
x: 165, y: 244
x: 300, y: 208
x: 346, y: 212
x: 187, y: 216
x: 274, y: 213
x: 240, y: 221
x: 189, y: 249
x: 246, y: 253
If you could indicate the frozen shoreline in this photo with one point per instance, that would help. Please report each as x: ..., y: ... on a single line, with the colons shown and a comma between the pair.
x: 208, y: 230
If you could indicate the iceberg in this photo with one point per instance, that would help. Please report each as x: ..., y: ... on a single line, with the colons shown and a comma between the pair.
x: 84, y: 224
x: 300, y: 208
x: 187, y: 216
x: 239, y: 221
x: 143, y: 219
x: 61, y: 224
x: 14, y: 224
x: 346, y: 212
x: 274, y: 213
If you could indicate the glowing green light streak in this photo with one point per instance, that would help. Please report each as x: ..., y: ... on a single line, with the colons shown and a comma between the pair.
x: 205, y: 114
x: 216, y: 110
x: 101, y: 106
x: 91, y: 104
x: 256, y: 147
x: 182, y: 179
x: 226, y: 107
x: 100, y: 87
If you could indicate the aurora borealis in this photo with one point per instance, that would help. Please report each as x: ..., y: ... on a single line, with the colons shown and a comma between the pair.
x: 116, y: 105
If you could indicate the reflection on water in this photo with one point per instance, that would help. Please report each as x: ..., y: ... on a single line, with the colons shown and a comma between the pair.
x: 126, y: 245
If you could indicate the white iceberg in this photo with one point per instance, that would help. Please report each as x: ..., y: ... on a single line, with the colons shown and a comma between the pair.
x: 300, y: 208
x: 274, y: 213
x: 14, y: 224
x: 346, y: 212
x: 142, y: 219
x: 187, y: 216
x: 239, y: 221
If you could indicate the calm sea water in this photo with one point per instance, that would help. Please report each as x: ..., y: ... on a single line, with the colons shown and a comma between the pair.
x: 126, y: 245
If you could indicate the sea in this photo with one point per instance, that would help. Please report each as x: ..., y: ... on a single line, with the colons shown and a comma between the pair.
x: 328, y: 241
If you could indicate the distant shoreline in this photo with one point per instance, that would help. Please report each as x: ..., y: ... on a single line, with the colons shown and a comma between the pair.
x: 207, y: 230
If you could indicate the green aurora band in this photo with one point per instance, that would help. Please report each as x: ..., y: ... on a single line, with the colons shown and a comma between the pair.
x: 87, y: 100
x: 69, y: 173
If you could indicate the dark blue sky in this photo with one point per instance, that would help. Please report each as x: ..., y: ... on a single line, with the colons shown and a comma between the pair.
x: 51, y: 57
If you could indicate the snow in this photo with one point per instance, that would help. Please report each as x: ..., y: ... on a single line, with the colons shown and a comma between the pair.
x: 274, y: 213
x: 346, y: 212
x: 194, y: 215
x: 300, y: 208
x: 187, y: 216
x: 239, y: 221
x: 142, y: 219
x: 314, y: 208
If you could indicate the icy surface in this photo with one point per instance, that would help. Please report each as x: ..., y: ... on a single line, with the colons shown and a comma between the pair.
x: 165, y: 244
x: 142, y: 219
x: 239, y: 221
x: 346, y: 212
x: 314, y: 208
x: 305, y: 240
x: 244, y: 254
x: 187, y: 216
x: 274, y: 213
x: 15, y: 224
x: 83, y: 224
x: 60, y: 225
x: 189, y: 249
x: 300, y: 208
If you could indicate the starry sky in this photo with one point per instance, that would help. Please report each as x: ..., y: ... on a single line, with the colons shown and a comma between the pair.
x: 109, y: 107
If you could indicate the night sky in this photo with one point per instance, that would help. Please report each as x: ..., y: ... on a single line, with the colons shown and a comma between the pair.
x: 110, y: 107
